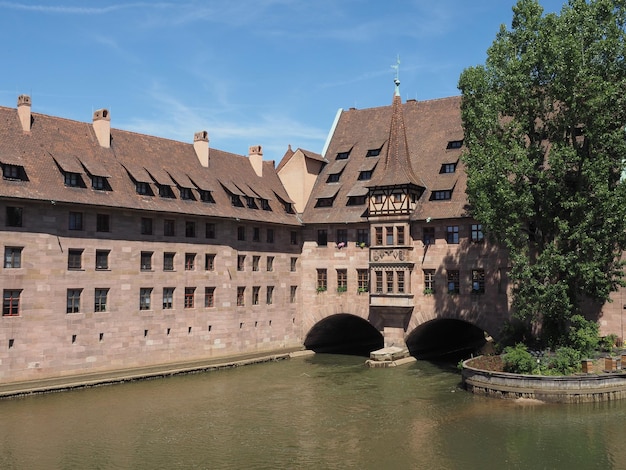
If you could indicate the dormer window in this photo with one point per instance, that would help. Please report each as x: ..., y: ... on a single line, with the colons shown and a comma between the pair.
x: 13, y: 172
x: 265, y: 205
x: 333, y: 178
x: 454, y: 144
x: 235, y: 200
x: 441, y: 195
x: 251, y: 203
x: 186, y: 194
x: 100, y: 183
x: 73, y: 179
x: 206, y: 196
x: 165, y: 191
x: 448, y: 168
x: 373, y: 153
x: 343, y: 155
x: 325, y: 202
x: 143, y: 188
x: 365, y: 175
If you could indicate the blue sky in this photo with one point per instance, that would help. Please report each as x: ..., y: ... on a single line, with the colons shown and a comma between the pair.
x: 268, y: 72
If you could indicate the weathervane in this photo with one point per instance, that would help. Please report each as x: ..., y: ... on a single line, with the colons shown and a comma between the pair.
x: 396, y: 80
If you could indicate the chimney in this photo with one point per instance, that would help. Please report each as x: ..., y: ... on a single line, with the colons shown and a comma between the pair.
x: 102, y: 127
x: 255, y: 154
x: 201, y: 146
x: 23, y: 111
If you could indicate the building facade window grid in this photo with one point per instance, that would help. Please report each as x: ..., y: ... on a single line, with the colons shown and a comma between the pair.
x: 241, y: 296
x: 270, y: 263
x: 322, y: 280
x: 189, y: 297
x: 269, y: 295
x: 11, y: 302
x: 478, y: 281
x: 209, y: 262
x: 255, y: 294
x: 146, y: 261
x: 362, y: 280
x: 477, y: 232
x: 168, y: 261
x: 102, y: 259
x: 100, y: 300
x: 342, y: 280
x: 209, y: 297
x: 452, y: 234
x: 168, y: 298
x: 429, y: 281
x: 453, y: 282
x: 74, y: 259
x: 190, y: 261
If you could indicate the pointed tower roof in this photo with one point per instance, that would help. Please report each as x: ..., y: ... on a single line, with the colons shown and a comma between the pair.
x: 396, y: 168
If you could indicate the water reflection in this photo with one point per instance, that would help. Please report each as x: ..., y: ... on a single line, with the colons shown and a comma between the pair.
x: 326, y: 411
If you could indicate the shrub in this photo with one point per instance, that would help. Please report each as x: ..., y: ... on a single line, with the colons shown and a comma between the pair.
x: 565, y: 361
x: 609, y: 342
x: 583, y: 335
x: 518, y: 360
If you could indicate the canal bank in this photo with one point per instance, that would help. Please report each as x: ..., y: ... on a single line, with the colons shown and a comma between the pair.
x: 57, y: 384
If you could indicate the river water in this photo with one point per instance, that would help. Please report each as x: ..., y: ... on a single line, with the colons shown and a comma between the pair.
x: 320, y: 412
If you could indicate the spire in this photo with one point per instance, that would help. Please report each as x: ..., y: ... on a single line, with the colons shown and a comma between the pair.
x: 397, y: 169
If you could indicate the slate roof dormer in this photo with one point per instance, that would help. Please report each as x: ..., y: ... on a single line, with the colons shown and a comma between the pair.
x: 396, y: 168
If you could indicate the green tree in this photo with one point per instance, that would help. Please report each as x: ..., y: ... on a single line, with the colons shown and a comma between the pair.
x: 544, y: 126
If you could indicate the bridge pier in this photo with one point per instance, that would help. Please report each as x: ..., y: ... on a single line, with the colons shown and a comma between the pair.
x: 395, y: 351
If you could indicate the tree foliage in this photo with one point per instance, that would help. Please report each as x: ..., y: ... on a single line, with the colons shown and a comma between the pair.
x: 544, y: 122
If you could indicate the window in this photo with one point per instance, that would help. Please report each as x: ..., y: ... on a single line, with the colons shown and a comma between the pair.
x: 365, y: 175
x: 378, y: 235
x: 477, y: 232
x: 269, y: 295
x: 209, y: 262
x: 189, y: 296
x: 270, y: 263
x: 293, y: 264
x: 209, y: 230
x: 145, y: 295
x: 265, y: 205
x: 186, y: 194
x: 165, y: 191
x: 169, y: 227
x: 363, y: 280
x: 190, y: 229
x: 241, y: 262
x: 429, y: 281
x: 292, y: 294
x: 13, y: 257
x: 428, y: 235
x: 373, y: 153
x: 99, y: 183
x: 241, y: 233
x: 400, y: 235
x: 209, y: 297
x: 168, y: 261
x: 72, y: 179
x: 256, y: 234
x: 270, y: 235
x: 206, y: 196
x: 74, y: 259
x: 75, y: 221
x: 168, y: 298
x: 453, y: 282
x: 322, y: 280
x: 343, y: 155
x: 389, y: 236
x: 12, y: 172
x: 342, y: 280
x: 73, y: 300
x: 146, y: 226
x: 190, y: 261
x: 240, y: 296
x: 255, y: 263
x: 14, y: 216
x: 378, y: 198
x: 322, y: 237
x: 102, y: 259
x: 400, y: 281
x: 398, y: 197
x: 251, y: 203
x: 325, y: 202
x: 255, y: 295
x: 333, y: 177
x: 100, y: 300
x: 146, y: 261
x: 11, y: 302
x: 294, y: 237
x: 448, y: 168
x: 235, y: 200
x: 389, y: 283
x: 478, y: 281
x: 452, y: 234
x: 342, y: 236
x: 442, y: 195
x: 143, y: 188
x: 455, y: 144
x: 379, y: 281
x: 362, y: 237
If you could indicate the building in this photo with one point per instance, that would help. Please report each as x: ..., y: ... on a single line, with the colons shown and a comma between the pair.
x: 124, y: 250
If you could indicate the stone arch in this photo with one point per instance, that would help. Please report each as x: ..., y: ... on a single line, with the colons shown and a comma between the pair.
x: 445, y: 337
x: 343, y: 333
